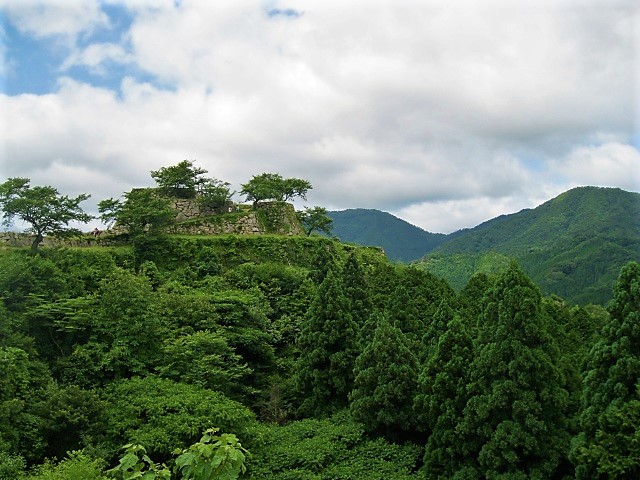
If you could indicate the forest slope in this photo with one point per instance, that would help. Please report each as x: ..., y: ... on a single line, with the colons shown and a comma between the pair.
x: 572, y: 245
x: 400, y: 240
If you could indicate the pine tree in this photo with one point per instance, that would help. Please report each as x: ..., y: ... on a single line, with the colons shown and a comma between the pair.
x: 385, y: 382
x: 441, y: 398
x: 515, y: 423
x: 327, y: 350
x: 609, y: 445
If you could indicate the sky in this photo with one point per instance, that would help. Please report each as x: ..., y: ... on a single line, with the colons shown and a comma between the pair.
x: 443, y: 113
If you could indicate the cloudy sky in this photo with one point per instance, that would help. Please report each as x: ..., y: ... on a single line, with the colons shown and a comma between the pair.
x: 443, y: 113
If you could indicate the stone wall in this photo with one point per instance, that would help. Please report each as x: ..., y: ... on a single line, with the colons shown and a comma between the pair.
x: 15, y: 239
x: 187, y: 209
x: 275, y: 217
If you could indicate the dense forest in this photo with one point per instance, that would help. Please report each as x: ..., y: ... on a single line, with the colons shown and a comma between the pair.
x: 573, y: 245
x: 156, y: 355
x: 314, y: 359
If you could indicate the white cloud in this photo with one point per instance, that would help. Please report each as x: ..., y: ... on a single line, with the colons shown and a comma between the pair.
x: 45, y: 18
x: 607, y: 165
x: 97, y: 57
x: 444, y: 113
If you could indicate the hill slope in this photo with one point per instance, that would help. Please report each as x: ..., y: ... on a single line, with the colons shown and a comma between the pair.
x: 400, y: 240
x: 573, y: 245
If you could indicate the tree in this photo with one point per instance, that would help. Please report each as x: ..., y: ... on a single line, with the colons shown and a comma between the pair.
x: 609, y: 445
x: 515, y: 422
x: 441, y: 398
x: 315, y: 219
x: 327, y: 350
x: 43, y: 208
x: 271, y: 186
x: 143, y: 210
x: 385, y: 381
x: 214, y: 193
x: 181, y: 180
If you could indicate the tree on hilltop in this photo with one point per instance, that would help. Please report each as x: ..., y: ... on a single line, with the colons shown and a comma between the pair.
x: 179, y: 180
x: 272, y: 186
x: 142, y: 210
x: 42, y: 207
x: 315, y: 219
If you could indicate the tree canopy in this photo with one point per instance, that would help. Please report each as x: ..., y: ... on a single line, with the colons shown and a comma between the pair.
x: 42, y: 207
x: 272, y: 186
x: 315, y: 219
x: 179, y: 180
x: 143, y: 209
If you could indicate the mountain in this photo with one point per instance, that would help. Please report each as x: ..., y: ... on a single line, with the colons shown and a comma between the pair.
x: 573, y: 245
x: 400, y: 240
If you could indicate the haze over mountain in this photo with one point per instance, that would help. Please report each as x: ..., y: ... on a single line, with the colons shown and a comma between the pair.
x: 572, y: 245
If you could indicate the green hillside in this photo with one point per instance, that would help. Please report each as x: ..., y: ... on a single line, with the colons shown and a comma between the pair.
x: 400, y: 240
x: 573, y: 245
x: 324, y: 360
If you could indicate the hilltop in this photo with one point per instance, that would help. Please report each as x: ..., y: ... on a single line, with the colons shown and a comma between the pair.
x: 400, y: 240
x: 572, y: 245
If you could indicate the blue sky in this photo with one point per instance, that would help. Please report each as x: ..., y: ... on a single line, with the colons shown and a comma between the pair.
x: 445, y: 114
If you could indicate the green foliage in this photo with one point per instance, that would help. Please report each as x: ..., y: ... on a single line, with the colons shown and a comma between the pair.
x: 126, y: 332
x: 441, y: 398
x: 23, y: 381
x: 205, y: 359
x: 26, y: 280
x: 357, y: 291
x: 609, y: 446
x: 71, y: 418
x: 315, y: 220
x: 162, y: 414
x: 327, y: 346
x: 11, y: 466
x: 385, y: 383
x: 515, y: 421
x: 155, y: 343
x: 213, y: 194
x: 143, y: 210
x: 43, y: 208
x: 76, y: 466
x: 179, y: 180
x: 135, y: 463
x: 272, y: 186
x: 213, y: 457
x: 335, y: 448
x: 458, y: 268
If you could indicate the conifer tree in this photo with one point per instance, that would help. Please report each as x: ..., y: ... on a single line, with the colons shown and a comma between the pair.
x: 404, y: 314
x: 327, y: 350
x: 356, y: 291
x: 609, y: 445
x: 437, y: 326
x: 385, y: 382
x: 472, y: 299
x: 441, y: 398
x: 515, y: 423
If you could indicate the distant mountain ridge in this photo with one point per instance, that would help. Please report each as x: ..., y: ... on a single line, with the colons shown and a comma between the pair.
x: 400, y: 240
x: 572, y: 245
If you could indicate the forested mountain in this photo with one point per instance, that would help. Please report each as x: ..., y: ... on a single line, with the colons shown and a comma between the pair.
x: 400, y: 240
x: 573, y: 245
x: 323, y: 360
